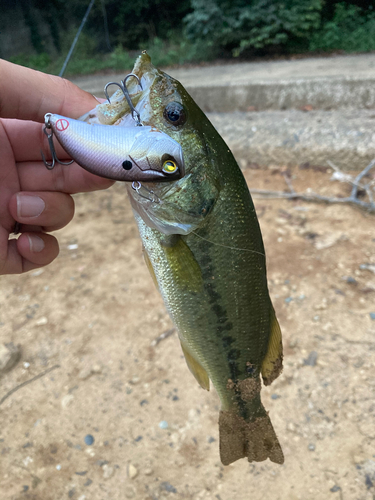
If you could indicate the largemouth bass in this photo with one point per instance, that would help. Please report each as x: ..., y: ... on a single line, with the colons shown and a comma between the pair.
x: 204, y: 249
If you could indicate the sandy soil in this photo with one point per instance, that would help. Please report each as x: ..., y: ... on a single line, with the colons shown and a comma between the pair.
x: 96, y: 314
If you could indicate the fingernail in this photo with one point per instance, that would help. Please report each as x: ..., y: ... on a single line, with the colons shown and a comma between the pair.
x: 36, y: 243
x: 99, y: 99
x: 29, y: 206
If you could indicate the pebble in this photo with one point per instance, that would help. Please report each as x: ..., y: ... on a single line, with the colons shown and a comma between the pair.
x: 85, y: 373
x: 372, y: 315
x: 67, y: 400
x: 108, y: 471
x: 74, y: 246
x: 10, y: 354
x: 26, y: 461
x: 335, y: 488
x: 288, y: 300
x: 311, y: 447
x: 163, y: 424
x: 148, y: 472
x: 311, y: 359
x: 168, y: 487
x: 130, y: 492
x: 368, y: 267
x: 89, y: 439
x: 275, y: 396
x: 58, y: 467
x: 41, y: 321
x: 134, y: 380
x: 38, y: 272
x: 368, y: 482
x: 132, y: 471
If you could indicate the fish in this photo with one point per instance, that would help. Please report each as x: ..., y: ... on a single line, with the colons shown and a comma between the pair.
x: 203, y: 247
x: 133, y: 153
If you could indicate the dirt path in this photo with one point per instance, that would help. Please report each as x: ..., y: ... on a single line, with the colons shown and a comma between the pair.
x: 96, y: 314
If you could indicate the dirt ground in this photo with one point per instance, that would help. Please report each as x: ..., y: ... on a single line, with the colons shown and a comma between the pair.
x: 94, y: 317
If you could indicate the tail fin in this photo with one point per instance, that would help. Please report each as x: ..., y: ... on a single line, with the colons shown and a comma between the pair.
x: 255, y: 440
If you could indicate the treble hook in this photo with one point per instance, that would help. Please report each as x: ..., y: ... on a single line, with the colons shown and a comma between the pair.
x: 135, y: 115
x: 55, y: 160
x: 154, y: 199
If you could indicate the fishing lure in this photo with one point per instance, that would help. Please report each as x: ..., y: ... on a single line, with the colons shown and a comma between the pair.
x: 119, y: 153
x: 135, y: 154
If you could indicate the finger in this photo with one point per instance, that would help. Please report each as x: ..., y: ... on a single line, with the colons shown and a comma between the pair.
x: 27, y: 140
x: 45, y: 94
x: 29, y: 251
x: 65, y: 178
x: 50, y: 211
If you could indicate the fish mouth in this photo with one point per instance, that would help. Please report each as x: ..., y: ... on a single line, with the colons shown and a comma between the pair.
x: 118, y: 111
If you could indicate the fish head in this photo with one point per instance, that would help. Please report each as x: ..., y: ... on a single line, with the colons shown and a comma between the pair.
x: 177, y: 206
x: 161, y: 101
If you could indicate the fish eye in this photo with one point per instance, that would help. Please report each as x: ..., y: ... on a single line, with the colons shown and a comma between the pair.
x: 175, y: 113
x: 169, y: 167
x: 127, y: 165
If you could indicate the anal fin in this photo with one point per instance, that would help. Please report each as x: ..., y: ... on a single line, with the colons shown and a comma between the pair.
x: 196, y: 369
x: 272, y: 364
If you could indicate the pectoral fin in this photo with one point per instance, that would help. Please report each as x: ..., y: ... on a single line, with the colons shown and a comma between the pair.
x: 185, y: 270
x: 149, y: 267
x: 196, y: 369
x: 273, y: 361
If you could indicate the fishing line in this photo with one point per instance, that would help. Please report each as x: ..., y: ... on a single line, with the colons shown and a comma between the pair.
x: 226, y: 246
x: 220, y: 244
x: 176, y: 208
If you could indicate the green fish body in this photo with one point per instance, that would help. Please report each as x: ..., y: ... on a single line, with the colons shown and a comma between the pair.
x: 204, y: 249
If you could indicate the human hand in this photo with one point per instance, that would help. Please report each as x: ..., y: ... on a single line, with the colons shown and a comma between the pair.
x: 37, y: 198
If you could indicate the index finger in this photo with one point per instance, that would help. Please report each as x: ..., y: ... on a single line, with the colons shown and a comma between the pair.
x: 27, y: 94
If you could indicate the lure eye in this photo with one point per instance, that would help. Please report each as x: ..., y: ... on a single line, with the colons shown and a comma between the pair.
x: 175, y: 113
x: 127, y: 165
x: 169, y: 167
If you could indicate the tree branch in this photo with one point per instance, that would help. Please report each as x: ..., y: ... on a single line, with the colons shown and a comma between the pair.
x: 314, y: 197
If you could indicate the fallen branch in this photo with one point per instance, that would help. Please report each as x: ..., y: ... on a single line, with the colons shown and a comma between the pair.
x: 27, y: 382
x: 163, y: 336
x: 314, y: 197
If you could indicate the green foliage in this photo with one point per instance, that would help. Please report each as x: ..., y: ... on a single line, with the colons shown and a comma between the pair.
x: 139, y: 21
x: 188, y: 31
x: 179, y: 50
x: 119, y: 59
x: 42, y: 61
x: 351, y: 30
x: 241, y: 24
